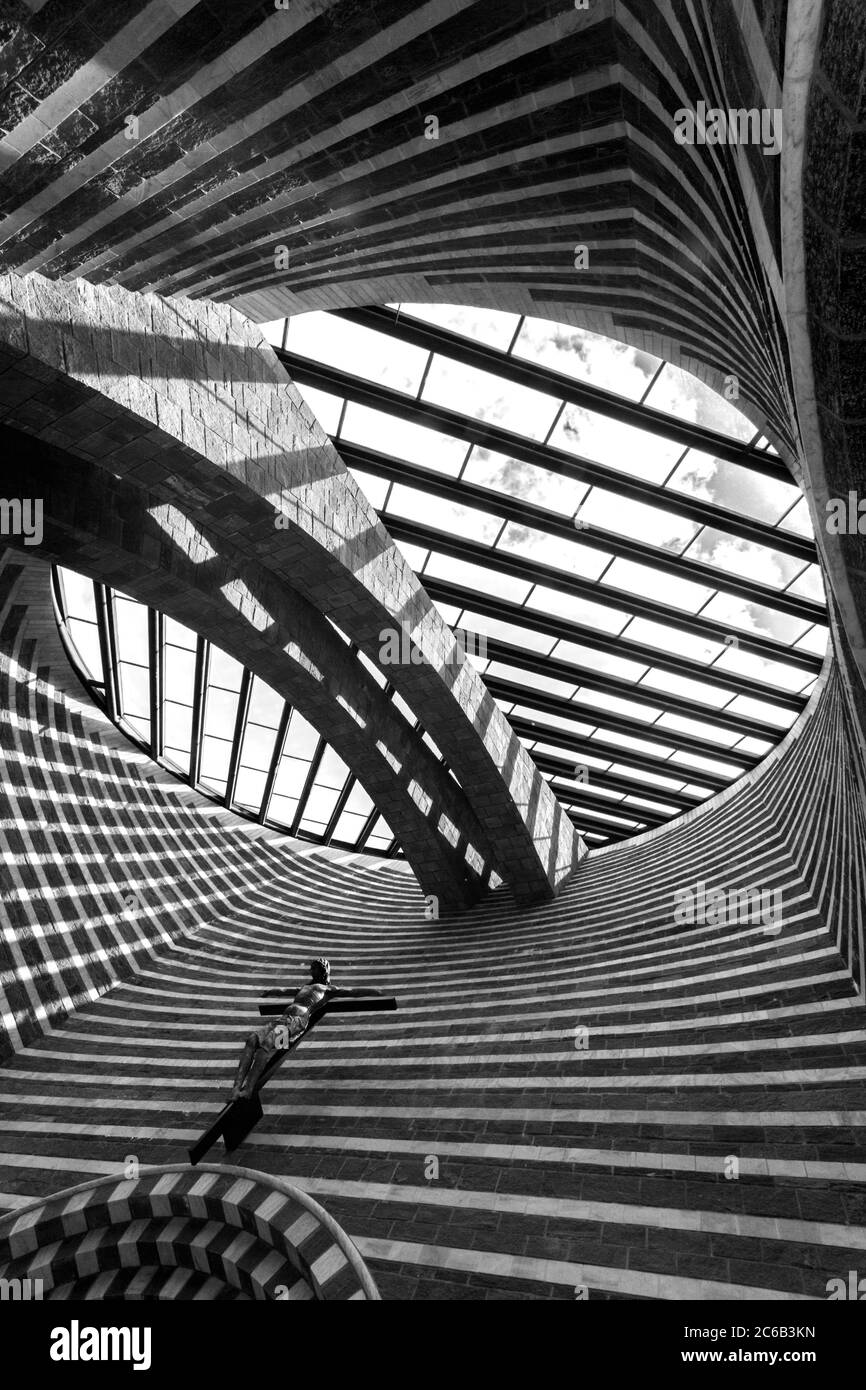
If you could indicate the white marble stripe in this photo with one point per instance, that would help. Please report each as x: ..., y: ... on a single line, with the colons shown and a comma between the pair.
x: 188, y: 1004
x: 144, y: 29
x: 370, y: 1061
x: 206, y: 79
x: 559, y: 962
x: 233, y: 1253
x: 446, y: 181
x: 796, y: 1076
x: 814, y: 1119
x: 305, y: 1226
x: 404, y: 233
x: 174, y: 1285
x: 631, y: 1282
x: 225, y: 1039
x: 413, y: 1034
x: 246, y: 931
x: 267, y: 1268
x: 299, y: 1291
x: 199, y: 1244
x: 645, y: 987
x: 567, y: 923
x: 328, y: 1264
x: 823, y: 1171
x: 242, y: 56
x: 167, y: 1238
x: 774, y: 973
x: 570, y: 1209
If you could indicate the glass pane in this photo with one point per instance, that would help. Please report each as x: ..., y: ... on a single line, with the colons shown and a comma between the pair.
x: 480, y: 578
x: 85, y: 638
x: 321, y: 804
x: 483, y: 396
x: 554, y: 491
x: 375, y: 489
x: 266, y: 706
x: 403, y: 439
x: 626, y: 448
x: 633, y: 578
x: 177, y: 727
x: 576, y: 610
x: 744, y: 558
x: 490, y: 326
x: 814, y: 641
x: 687, y: 689
x: 519, y: 636
x: 221, y: 707
x: 726, y: 484
x: 602, y: 662
x: 250, y: 788
x: 140, y: 727
x: 626, y: 517
x: 130, y: 625
x: 562, y: 554
x: 178, y: 673
x: 332, y: 771
x: 134, y: 690
x: 798, y: 520
x: 670, y: 639
x: 257, y: 747
x: 361, y: 351
x: 303, y: 739
x: 78, y: 596
x: 614, y: 704
x: 349, y: 827
x: 325, y: 407
x: 380, y: 836
x: 291, y: 777
x: 178, y: 635
x: 754, y: 617
x: 439, y: 512
x: 224, y: 670
x: 586, y: 356
x: 282, y: 809
x: 678, y: 393
x: 809, y: 584
x: 215, y: 758
x: 359, y: 802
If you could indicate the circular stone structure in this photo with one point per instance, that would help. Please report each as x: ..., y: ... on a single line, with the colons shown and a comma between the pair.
x: 170, y: 1232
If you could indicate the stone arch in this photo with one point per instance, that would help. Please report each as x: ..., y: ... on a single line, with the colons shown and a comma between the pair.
x: 235, y: 449
x: 276, y: 633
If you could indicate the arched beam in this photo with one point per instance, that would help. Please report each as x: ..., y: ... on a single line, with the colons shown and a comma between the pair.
x: 113, y: 531
x: 190, y: 400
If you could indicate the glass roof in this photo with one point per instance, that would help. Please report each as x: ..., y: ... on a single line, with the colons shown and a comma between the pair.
x: 210, y: 721
x: 634, y: 564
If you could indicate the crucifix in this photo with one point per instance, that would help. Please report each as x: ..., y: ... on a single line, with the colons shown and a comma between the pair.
x: 269, y: 1045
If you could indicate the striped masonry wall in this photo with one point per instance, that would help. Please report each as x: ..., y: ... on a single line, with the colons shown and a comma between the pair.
x: 588, y: 1095
x: 104, y: 855
x: 175, y: 148
x: 216, y: 1232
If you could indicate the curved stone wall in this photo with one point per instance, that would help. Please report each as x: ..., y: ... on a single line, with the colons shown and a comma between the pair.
x: 309, y: 128
x: 218, y: 459
x: 591, y: 1093
x: 246, y: 1234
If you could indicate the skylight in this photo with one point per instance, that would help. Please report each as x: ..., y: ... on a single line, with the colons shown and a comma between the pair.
x: 212, y: 722
x: 630, y: 552
x: 624, y: 538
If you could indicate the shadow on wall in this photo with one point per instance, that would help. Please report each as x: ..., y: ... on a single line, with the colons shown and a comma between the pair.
x: 101, y: 865
x: 242, y: 470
